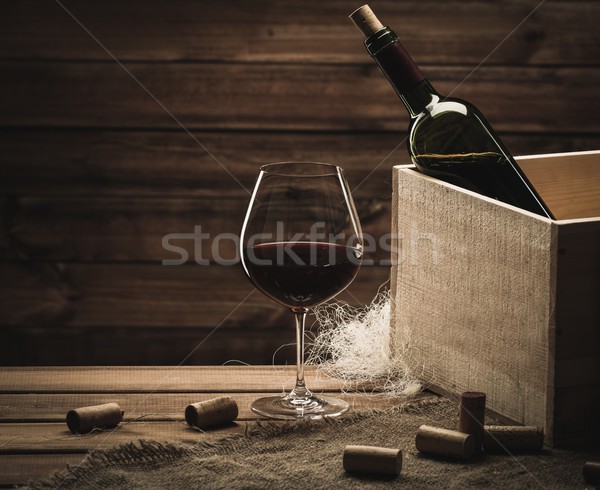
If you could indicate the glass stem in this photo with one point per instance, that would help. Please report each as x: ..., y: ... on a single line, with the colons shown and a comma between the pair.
x: 300, y: 391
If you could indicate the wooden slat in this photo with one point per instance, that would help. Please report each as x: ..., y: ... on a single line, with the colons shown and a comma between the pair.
x: 100, y: 294
x: 39, y: 438
x: 109, y: 229
x: 171, y: 163
x: 125, y: 229
x: 20, y: 469
x: 268, y: 30
x: 77, y: 162
x: 150, y: 407
x: 140, y: 345
x: 158, y: 379
x: 144, y: 295
x: 169, y: 345
x: 270, y: 96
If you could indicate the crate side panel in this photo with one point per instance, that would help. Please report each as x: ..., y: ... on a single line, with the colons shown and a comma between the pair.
x: 569, y: 183
x: 577, y: 398
x: 472, y: 294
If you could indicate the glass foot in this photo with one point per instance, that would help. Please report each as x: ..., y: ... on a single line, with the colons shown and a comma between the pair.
x: 286, y: 408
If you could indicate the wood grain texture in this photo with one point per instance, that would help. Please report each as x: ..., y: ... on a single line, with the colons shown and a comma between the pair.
x: 272, y: 97
x: 34, y: 440
x: 170, y: 163
x: 20, y: 469
x: 302, y: 31
x: 203, y: 230
x: 56, y: 345
x: 94, y: 171
x: 156, y: 407
x: 159, y: 379
x: 48, y: 438
x: 144, y: 295
x: 107, y: 314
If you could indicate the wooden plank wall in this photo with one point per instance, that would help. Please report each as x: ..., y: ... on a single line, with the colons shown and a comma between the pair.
x: 95, y: 169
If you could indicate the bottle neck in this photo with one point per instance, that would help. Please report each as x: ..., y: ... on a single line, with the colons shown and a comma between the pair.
x: 400, y: 69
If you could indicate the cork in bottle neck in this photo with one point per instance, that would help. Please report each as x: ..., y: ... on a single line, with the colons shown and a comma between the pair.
x: 364, y: 18
x: 402, y: 72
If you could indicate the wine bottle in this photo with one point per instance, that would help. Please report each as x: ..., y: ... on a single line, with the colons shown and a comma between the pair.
x: 448, y: 138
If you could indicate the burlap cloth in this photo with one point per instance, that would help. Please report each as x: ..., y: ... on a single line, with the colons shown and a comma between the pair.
x: 309, y: 455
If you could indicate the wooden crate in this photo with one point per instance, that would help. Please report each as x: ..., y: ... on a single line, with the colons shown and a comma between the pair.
x: 491, y: 298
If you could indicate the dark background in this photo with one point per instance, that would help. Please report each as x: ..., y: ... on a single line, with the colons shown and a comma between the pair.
x: 94, y: 172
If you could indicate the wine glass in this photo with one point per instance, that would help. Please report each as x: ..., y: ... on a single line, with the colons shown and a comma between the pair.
x: 301, y: 244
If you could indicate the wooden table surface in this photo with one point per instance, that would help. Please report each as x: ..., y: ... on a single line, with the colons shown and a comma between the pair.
x: 35, y: 441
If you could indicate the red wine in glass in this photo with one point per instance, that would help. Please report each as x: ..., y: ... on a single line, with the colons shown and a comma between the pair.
x: 302, y: 274
x: 301, y: 244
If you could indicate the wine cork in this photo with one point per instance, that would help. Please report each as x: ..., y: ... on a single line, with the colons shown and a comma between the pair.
x: 209, y: 413
x: 364, y: 18
x: 513, y: 439
x: 444, y: 442
x: 372, y: 459
x: 471, y: 417
x: 591, y: 472
x: 84, y: 419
